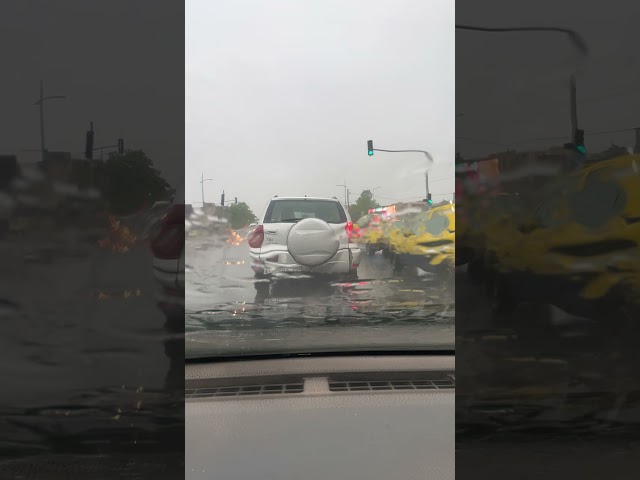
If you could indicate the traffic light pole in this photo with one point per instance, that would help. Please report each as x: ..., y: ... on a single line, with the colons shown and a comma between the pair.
x: 426, y: 154
x: 573, y: 107
x: 580, y: 45
x: 426, y: 181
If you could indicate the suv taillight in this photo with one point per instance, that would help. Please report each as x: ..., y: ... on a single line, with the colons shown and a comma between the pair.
x: 257, y: 237
x: 351, y: 231
x: 168, y: 242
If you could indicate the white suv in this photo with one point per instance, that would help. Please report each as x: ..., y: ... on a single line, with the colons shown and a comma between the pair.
x: 304, y: 235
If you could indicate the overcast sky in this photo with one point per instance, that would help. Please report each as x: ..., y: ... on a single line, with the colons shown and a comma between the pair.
x: 514, y: 87
x: 282, y: 96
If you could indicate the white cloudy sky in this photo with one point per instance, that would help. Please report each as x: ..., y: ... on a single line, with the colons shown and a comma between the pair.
x: 282, y: 96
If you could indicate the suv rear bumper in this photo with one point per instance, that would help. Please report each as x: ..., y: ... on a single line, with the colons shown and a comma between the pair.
x: 281, y: 263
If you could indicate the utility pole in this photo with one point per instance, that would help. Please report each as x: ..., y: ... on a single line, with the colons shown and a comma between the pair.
x: 636, y: 147
x: 346, y: 193
x: 346, y: 199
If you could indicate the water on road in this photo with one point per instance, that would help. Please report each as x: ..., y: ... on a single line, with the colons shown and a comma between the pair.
x: 223, y: 296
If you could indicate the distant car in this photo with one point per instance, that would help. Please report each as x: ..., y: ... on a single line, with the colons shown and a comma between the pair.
x: 167, y: 247
x: 304, y: 235
x: 370, y: 233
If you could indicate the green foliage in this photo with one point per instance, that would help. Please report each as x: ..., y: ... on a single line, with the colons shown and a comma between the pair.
x: 240, y: 215
x: 364, y: 202
x: 130, y: 182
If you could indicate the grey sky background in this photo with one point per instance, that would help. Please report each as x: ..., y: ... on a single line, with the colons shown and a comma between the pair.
x: 282, y: 96
x: 118, y: 62
x: 513, y: 87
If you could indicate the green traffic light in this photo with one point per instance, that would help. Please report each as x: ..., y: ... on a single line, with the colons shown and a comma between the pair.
x: 581, y: 149
x: 370, y: 152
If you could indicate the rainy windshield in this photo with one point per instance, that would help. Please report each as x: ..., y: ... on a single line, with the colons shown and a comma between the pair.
x: 434, y: 225
x: 303, y: 128
x: 548, y: 251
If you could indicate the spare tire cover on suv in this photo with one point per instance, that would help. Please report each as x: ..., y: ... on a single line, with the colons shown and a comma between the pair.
x: 312, y: 242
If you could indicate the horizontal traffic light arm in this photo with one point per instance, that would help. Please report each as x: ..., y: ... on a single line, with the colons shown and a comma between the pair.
x: 428, y: 155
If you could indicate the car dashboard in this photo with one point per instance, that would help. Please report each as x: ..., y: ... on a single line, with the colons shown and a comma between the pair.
x: 347, y: 417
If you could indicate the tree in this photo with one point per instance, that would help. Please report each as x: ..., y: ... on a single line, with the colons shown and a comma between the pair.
x: 364, y: 202
x: 240, y: 215
x: 130, y: 182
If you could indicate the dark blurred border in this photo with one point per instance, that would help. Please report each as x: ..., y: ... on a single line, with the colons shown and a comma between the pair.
x: 91, y: 232
x: 548, y: 244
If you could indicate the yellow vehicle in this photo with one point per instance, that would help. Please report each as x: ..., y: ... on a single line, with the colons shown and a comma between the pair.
x: 370, y: 233
x: 427, y: 242
x: 374, y: 229
x: 579, y: 249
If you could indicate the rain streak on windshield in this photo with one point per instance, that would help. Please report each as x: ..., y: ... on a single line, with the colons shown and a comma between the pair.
x: 298, y: 237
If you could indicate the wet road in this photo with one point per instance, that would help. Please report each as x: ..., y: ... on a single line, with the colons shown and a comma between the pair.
x: 523, y: 375
x: 83, y: 364
x: 533, y: 402
x: 221, y: 295
x: 95, y: 316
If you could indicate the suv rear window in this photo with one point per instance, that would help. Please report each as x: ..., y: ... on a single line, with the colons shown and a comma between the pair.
x: 281, y: 211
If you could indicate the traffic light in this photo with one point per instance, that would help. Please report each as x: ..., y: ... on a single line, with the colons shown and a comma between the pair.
x: 236, y: 199
x: 222, y: 199
x: 578, y: 141
x: 88, y: 148
x: 120, y: 146
x: 370, y: 147
x: 428, y: 199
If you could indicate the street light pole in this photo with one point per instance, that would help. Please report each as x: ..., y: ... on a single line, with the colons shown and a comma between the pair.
x: 40, y: 103
x: 202, y: 185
